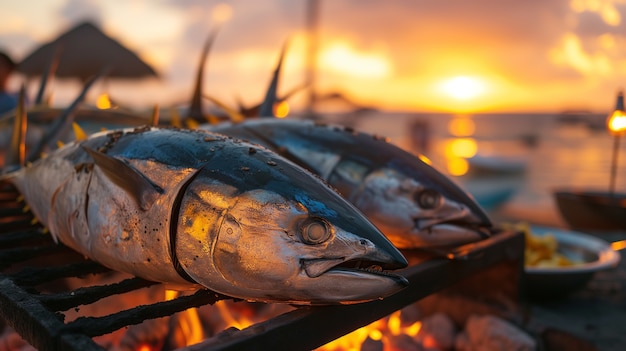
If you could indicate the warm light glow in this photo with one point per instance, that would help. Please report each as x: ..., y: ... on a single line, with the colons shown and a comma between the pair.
x: 144, y: 347
x: 461, y: 126
x: 617, y: 122
x: 103, y: 102
x: 456, y: 152
x: 461, y: 147
x: 170, y: 294
x: 281, y: 109
x: 618, y: 245
x: 343, y: 59
x: 463, y: 87
x: 457, y: 166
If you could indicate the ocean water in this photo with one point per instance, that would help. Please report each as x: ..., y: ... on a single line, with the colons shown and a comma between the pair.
x: 555, y: 151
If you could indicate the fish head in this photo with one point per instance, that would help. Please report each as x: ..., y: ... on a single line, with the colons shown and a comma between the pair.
x: 293, y: 240
x: 422, y: 210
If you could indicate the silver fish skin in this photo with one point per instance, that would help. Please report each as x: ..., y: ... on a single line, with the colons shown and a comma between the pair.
x: 196, y: 208
x: 412, y: 203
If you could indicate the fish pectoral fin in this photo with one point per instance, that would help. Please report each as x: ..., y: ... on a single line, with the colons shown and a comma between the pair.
x: 140, y: 188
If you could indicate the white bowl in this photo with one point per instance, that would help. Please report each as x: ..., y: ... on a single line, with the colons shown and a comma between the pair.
x: 551, y: 282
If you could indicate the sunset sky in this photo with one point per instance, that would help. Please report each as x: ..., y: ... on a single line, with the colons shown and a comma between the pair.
x: 445, y: 55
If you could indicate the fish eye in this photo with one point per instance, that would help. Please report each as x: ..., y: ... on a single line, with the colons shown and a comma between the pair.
x: 427, y: 199
x: 315, y: 230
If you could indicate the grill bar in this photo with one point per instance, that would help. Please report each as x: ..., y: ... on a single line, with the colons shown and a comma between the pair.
x: 94, y: 326
x: 82, y: 296
x: 33, y: 276
x: 11, y: 256
x: 40, y: 326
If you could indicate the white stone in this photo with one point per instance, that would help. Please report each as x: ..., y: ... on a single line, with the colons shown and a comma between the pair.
x: 495, y: 334
x: 438, y: 329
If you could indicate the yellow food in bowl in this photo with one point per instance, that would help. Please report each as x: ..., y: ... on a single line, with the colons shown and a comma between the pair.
x: 540, y: 250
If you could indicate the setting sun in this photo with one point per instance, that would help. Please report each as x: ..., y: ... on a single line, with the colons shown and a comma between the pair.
x: 463, y: 88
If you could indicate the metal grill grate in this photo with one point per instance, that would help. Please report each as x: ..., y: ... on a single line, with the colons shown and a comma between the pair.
x: 27, y: 261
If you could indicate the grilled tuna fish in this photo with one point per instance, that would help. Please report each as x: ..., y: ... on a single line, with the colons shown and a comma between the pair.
x: 412, y: 203
x: 196, y: 208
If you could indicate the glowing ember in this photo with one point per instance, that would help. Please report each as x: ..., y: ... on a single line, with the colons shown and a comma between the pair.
x: 381, y: 330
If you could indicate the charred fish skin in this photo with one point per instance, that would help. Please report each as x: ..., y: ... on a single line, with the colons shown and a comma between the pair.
x: 232, y: 216
x: 412, y: 203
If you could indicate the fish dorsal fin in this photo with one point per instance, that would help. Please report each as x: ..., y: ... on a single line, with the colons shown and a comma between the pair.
x: 121, y: 174
x: 195, y: 107
x: 154, y: 119
x: 64, y: 120
x: 191, y: 124
x: 49, y: 72
x: 233, y: 115
x: 79, y: 133
x: 175, y: 121
x: 267, y: 107
x: 17, y: 152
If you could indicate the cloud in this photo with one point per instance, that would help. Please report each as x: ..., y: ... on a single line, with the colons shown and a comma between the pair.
x: 74, y: 11
x: 530, y: 43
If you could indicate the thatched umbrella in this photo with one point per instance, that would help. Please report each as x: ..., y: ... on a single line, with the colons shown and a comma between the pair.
x: 85, y: 51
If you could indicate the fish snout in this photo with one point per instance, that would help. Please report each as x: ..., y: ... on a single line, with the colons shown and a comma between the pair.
x: 453, y: 225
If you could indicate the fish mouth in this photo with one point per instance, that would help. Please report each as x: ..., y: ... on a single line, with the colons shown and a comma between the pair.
x: 357, y: 266
x: 454, y: 224
x: 451, y: 232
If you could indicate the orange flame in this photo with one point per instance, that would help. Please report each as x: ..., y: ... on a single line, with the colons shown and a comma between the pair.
x: 378, y: 330
x: 190, y: 326
x: 230, y: 320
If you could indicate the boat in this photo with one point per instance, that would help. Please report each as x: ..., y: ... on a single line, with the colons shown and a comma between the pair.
x: 480, y: 165
x: 592, y: 210
x: 491, y: 193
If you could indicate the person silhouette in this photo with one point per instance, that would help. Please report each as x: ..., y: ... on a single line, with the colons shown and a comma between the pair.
x: 8, y: 100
